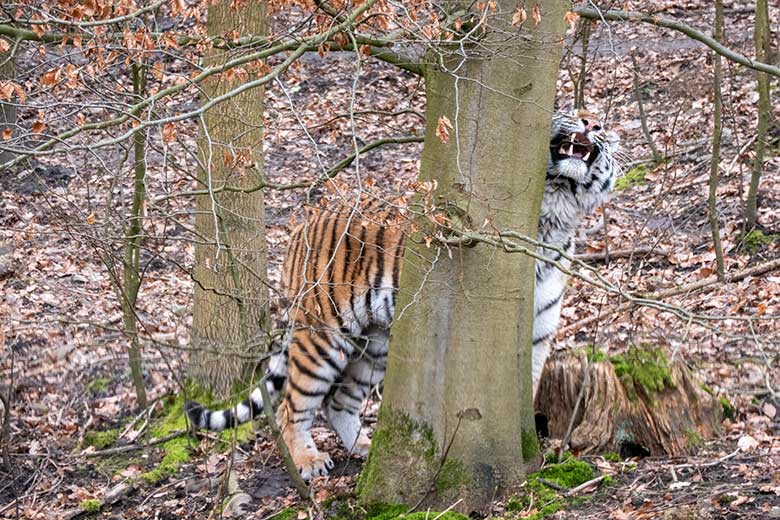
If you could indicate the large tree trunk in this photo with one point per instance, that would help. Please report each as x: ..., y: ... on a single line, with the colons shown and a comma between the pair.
x: 456, y: 421
x: 230, y: 308
x: 644, y: 407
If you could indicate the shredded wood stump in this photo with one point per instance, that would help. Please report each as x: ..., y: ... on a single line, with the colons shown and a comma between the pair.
x: 633, y: 404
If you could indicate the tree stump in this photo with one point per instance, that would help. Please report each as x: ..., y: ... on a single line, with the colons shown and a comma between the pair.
x: 634, y: 404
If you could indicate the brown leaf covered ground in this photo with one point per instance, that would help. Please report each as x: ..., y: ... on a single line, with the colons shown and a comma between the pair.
x: 64, y: 352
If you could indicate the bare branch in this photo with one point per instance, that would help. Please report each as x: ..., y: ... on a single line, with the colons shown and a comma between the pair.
x: 635, y: 17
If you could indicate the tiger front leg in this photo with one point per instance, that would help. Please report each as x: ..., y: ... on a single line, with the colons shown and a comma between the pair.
x: 296, y: 432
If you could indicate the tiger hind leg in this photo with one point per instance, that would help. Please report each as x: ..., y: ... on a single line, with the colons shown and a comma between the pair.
x: 343, y: 414
x: 296, y: 431
x: 312, y: 369
x: 365, y: 369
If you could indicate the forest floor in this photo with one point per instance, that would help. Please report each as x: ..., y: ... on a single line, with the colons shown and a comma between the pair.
x: 64, y: 354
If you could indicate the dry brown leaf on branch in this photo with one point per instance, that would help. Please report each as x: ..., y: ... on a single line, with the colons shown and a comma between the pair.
x: 536, y: 14
x: 51, y: 77
x: 158, y: 70
x: 38, y: 127
x: 443, y: 129
x: 571, y: 19
x: 169, y: 132
x: 519, y: 17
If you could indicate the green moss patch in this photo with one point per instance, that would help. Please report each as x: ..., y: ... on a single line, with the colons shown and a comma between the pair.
x: 173, y: 418
x: 348, y: 509
x: 98, y: 385
x: 91, y: 505
x: 755, y: 240
x: 177, y: 452
x: 728, y: 408
x: 569, y: 473
x: 643, y: 369
x: 286, y: 514
x: 452, y: 475
x: 695, y: 440
x: 100, y: 439
x: 385, y: 511
x: 633, y: 177
x: 529, y: 445
x: 611, y: 456
x: 430, y: 515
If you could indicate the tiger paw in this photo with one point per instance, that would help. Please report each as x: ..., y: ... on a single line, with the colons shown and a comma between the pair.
x: 314, y: 464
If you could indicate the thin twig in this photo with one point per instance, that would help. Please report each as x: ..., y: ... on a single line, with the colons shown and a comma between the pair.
x: 549, y: 484
x: 5, y: 433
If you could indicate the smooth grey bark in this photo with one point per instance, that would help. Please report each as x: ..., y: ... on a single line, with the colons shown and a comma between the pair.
x: 456, y: 423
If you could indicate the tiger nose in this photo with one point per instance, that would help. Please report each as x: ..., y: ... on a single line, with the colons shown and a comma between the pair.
x: 589, y: 126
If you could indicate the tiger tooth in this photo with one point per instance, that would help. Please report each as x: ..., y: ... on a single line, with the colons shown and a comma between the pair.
x: 585, y: 157
x: 571, y: 149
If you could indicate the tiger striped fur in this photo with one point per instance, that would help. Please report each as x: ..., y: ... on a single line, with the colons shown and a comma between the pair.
x: 342, y: 271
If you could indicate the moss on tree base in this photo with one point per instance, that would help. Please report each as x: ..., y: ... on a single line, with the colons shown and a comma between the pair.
x: 346, y: 508
x: 400, y: 441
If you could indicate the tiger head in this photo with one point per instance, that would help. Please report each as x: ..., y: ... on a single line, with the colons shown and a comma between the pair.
x: 581, y: 151
x: 583, y: 158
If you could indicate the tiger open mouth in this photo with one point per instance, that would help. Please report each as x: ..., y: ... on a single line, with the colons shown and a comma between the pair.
x: 577, y: 146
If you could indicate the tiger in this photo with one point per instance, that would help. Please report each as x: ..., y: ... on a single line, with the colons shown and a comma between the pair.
x: 341, y: 273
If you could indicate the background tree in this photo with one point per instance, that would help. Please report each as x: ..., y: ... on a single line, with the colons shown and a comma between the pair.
x: 7, y: 108
x: 230, y: 313
x: 761, y: 38
x: 458, y: 383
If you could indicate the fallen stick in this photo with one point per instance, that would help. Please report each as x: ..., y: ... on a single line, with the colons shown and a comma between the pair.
x: 133, y: 447
x: 621, y: 253
x: 585, y: 485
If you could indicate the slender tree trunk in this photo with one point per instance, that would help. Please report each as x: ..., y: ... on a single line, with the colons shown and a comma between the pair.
x: 712, y: 200
x: 457, y: 423
x: 7, y: 110
x: 582, y: 77
x: 230, y: 308
x: 761, y: 37
x: 642, y: 114
x: 131, y: 265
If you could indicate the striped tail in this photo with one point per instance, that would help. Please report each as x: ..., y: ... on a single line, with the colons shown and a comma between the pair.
x: 217, y: 420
